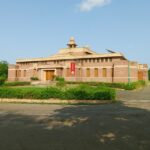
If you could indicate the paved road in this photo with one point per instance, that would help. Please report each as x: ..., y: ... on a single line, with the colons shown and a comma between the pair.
x: 52, y: 127
x: 121, y: 126
x: 142, y: 94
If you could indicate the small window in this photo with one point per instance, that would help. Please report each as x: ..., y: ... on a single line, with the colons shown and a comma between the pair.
x: 88, y: 72
x: 18, y: 73
x: 106, y: 59
x: 104, y: 72
x: 97, y: 60
x: 79, y: 72
x: 96, y: 72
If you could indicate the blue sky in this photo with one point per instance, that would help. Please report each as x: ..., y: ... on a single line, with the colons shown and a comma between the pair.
x: 39, y: 28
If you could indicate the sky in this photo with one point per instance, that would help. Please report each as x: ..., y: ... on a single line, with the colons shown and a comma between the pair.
x: 39, y: 28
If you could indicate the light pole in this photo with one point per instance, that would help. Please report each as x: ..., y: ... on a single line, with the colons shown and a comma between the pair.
x: 129, y: 73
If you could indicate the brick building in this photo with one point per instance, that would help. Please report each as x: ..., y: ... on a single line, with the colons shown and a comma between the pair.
x: 79, y: 64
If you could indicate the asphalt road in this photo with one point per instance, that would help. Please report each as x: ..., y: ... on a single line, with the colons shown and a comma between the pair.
x: 119, y: 126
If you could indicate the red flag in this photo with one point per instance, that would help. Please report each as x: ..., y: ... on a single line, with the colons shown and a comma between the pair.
x: 72, y: 68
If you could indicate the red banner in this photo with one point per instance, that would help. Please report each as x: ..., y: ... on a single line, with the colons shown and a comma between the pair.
x: 72, y: 68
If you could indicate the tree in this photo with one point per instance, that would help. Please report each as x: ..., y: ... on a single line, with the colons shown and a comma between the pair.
x: 149, y: 74
x: 3, y: 71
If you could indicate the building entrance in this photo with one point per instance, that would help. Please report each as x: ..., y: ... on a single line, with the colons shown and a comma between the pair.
x: 49, y: 75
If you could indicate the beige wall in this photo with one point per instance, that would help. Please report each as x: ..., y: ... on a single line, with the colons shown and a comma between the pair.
x: 117, y: 70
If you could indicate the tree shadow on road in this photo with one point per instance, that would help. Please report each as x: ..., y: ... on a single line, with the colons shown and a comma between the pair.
x: 103, y: 127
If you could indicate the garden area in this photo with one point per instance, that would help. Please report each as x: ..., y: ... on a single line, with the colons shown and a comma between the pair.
x: 62, y: 90
x: 66, y: 90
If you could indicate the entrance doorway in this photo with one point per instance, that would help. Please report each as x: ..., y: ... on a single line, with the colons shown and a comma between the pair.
x: 140, y: 75
x: 49, y: 75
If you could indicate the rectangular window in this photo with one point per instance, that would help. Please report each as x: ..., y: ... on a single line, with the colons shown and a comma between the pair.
x: 18, y: 73
x: 88, y: 72
x: 96, y: 72
x: 104, y: 71
x: 79, y: 72
x: 106, y: 59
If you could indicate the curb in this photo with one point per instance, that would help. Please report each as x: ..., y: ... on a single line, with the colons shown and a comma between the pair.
x: 55, y: 101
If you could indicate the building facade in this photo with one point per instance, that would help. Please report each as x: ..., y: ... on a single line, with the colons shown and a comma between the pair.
x: 81, y: 65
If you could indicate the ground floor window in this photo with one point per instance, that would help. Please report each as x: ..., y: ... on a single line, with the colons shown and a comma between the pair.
x: 18, y: 73
x: 79, y: 72
x: 88, y: 72
x: 104, y: 72
x: 96, y: 72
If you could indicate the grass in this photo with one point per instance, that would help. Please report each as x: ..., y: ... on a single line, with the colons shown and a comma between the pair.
x: 17, y: 83
x: 126, y: 86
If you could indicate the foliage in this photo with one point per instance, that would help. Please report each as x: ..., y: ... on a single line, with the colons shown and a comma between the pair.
x: 34, y: 79
x: 17, y: 83
x: 82, y: 92
x: 2, y: 80
x: 3, y: 71
x: 86, y: 92
x: 60, y: 81
x: 126, y: 86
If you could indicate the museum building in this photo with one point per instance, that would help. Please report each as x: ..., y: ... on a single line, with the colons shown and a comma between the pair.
x: 79, y: 64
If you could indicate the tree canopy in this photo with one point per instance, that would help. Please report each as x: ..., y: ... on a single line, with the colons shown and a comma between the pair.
x: 4, y: 69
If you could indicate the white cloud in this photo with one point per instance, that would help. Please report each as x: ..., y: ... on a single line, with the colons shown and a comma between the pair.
x: 88, y: 5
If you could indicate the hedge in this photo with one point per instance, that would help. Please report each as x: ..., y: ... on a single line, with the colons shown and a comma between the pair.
x: 82, y: 92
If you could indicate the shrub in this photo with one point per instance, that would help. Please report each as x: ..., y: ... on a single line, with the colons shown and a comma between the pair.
x: 3, y: 69
x: 2, y: 80
x: 82, y: 92
x: 34, y: 79
x: 30, y: 93
x: 60, y: 81
x: 17, y: 83
x: 86, y: 92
